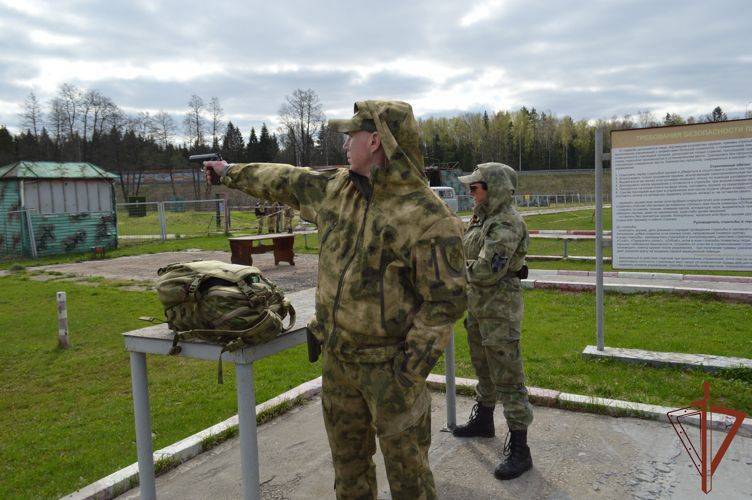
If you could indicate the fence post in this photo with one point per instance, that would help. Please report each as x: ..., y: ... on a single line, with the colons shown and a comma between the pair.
x: 226, y: 202
x: 162, y: 221
x: 32, y: 239
x: 62, y: 321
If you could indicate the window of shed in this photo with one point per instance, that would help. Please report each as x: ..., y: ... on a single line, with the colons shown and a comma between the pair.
x: 68, y: 196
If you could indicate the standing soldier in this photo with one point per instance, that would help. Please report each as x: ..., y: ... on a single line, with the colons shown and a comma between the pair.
x: 260, y: 212
x: 289, y: 215
x: 272, y: 217
x: 391, y: 284
x: 495, y: 246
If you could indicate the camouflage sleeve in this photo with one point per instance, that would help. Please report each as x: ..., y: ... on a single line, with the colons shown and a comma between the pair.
x: 439, y: 277
x: 301, y: 188
x: 499, y: 246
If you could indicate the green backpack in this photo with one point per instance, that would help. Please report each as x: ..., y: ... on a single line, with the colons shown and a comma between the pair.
x: 227, y: 304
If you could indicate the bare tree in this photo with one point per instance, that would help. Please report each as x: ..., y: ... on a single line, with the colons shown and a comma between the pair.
x: 302, y: 116
x: 163, y: 128
x: 56, y: 120
x: 215, y: 115
x: 32, y: 117
x: 70, y: 99
x: 194, y: 122
x: 646, y: 119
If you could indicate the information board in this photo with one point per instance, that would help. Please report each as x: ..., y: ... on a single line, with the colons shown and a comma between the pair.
x: 682, y: 197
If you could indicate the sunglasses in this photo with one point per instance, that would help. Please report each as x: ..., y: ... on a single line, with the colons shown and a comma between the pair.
x: 475, y: 187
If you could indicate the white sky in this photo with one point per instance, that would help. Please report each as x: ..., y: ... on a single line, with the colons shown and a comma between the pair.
x: 588, y: 59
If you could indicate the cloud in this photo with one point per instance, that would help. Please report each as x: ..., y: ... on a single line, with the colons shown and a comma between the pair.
x: 592, y: 60
x: 480, y: 12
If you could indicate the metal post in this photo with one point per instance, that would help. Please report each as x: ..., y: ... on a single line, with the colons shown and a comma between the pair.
x: 451, y: 387
x: 566, y: 247
x: 32, y: 239
x: 247, y: 424
x: 143, y: 426
x: 599, y: 238
x: 162, y: 221
x: 227, y: 213
x: 62, y: 321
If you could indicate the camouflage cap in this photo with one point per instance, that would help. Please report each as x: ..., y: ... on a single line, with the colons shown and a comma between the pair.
x: 361, y: 120
x: 476, y: 176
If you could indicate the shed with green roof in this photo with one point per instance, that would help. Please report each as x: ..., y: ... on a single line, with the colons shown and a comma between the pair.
x: 52, y: 208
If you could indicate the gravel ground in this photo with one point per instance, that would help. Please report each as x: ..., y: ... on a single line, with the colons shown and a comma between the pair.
x: 144, y: 267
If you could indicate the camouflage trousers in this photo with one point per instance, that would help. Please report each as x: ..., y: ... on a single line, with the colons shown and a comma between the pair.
x: 498, y: 365
x: 362, y: 401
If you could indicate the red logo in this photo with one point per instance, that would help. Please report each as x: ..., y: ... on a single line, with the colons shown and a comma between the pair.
x: 704, y: 461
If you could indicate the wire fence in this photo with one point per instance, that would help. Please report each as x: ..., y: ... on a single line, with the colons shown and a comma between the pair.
x: 466, y: 202
x: 31, y: 234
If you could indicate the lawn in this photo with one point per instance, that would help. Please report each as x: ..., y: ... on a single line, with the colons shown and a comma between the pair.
x: 67, y: 415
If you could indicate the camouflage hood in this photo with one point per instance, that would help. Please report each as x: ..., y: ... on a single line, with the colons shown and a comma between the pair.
x: 400, y: 137
x: 502, y: 184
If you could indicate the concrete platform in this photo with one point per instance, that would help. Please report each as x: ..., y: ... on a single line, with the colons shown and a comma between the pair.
x: 576, y: 455
x: 706, y: 362
x: 733, y: 288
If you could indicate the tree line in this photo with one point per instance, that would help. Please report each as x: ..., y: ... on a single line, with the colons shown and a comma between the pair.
x: 85, y: 125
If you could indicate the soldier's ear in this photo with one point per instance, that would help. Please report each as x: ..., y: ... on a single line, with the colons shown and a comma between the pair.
x: 375, y: 142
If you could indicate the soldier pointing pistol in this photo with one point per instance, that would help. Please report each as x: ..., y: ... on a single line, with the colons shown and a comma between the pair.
x: 391, y: 284
x: 495, y: 246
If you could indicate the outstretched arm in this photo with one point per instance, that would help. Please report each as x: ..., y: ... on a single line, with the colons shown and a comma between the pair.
x: 301, y: 188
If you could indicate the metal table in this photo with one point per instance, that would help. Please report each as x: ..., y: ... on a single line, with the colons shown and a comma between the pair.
x: 157, y: 339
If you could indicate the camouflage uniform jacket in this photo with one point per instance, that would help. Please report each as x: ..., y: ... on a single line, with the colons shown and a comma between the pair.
x: 391, y: 279
x: 495, y: 244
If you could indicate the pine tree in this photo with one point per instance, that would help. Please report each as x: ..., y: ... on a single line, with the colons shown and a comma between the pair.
x: 252, y: 150
x: 233, y: 146
x: 7, y: 148
x: 268, y: 147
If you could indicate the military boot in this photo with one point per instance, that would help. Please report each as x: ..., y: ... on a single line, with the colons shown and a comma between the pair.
x: 481, y: 423
x: 517, y: 453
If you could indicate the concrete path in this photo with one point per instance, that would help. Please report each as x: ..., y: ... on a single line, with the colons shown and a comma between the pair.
x: 144, y: 267
x: 737, y: 288
x: 576, y: 455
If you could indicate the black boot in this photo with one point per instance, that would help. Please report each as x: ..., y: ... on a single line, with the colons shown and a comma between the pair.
x: 481, y: 423
x: 517, y: 453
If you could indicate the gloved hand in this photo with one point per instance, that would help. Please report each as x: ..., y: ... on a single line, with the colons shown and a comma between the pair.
x: 214, y: 170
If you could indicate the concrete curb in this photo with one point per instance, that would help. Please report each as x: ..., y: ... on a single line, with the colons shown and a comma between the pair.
x: 127, y: 478
x: 601, y: 406
x: 735, y: 296
x: 705, y: 362
x: 647, y: 276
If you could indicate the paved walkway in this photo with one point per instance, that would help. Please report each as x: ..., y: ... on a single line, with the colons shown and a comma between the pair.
x: 738, y: 288
x: 576, y: 455
x: 144, y: 267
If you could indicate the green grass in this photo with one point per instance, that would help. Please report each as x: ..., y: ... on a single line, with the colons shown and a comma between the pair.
x: 67, y: 415
x: 558, y: 326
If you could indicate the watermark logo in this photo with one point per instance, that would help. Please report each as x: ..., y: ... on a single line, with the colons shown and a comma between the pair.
x: 704, y: 460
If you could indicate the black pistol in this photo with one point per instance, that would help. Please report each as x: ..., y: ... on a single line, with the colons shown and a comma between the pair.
x: 213, y: 177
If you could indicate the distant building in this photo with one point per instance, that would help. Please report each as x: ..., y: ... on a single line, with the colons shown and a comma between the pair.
x: 55, y: 208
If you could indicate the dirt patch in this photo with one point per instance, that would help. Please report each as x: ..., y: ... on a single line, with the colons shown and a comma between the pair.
x: 144, y: 267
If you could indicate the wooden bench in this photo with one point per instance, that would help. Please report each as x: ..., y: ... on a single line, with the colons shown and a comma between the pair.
x: 242, y: 247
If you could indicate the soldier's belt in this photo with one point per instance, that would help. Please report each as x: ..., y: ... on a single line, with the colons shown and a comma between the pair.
x: 380, y: 354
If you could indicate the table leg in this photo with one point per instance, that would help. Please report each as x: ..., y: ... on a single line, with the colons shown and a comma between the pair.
x: 451, y: 398
x: 143, y: 426
x: 247, y: 426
